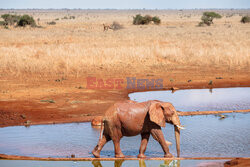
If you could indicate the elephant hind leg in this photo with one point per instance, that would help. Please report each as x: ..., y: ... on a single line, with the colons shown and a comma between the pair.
x: 99, y: 146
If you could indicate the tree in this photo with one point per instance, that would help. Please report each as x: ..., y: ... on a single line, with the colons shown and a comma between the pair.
x: 245, y: 19
x: 10, y: 19
x: 207, y: 18
x: 139, y: 19
x: 26, y: 20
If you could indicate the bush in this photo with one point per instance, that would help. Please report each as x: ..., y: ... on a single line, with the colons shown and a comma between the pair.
x: 51, y: 23
x: 2, y: 23
x: 201, y: 24
x: 138, y: 19
x: 156, y: 20
x: 26, y: 20
x: 116, y: 26
x: 207, y: 18
x: 72, y: 17
x: 245, y: 19
x: 10, y: 19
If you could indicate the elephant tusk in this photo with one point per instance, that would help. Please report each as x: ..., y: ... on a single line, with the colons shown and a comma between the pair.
x: 180, y: 127
x: 168, y: 142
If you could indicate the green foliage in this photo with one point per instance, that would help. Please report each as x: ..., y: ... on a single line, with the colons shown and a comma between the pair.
x: 212, y: 15
x: 2, y: 23
x: 139, y: 19
x: 207, y: 18
x: 201, y: 24
x: 10, y: 19
x: 17, y: 20
x: 48, y: 101
x: 245, y: 19
x: 156, y: 20
x: 26, y: 20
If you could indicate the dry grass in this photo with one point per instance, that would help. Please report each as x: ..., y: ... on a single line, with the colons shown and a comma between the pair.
x: 76, y: 46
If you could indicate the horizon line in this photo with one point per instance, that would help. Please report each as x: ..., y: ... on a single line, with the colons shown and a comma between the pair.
x: 124, y: 9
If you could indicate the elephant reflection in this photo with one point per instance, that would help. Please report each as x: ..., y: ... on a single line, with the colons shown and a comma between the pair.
x: 118, y: 163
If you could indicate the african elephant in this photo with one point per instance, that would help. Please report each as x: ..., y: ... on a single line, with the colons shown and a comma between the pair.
x: 129, y: 118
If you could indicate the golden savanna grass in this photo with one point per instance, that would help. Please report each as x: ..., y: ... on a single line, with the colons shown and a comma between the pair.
x: 74, y: 47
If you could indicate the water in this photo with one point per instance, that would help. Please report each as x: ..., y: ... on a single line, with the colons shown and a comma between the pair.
x: 118, y: 163
x: 200, y: 99
x: 203, y: 136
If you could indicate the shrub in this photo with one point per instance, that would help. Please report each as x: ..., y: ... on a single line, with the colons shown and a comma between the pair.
x: 10, y: 19
x: 156, y: 20
x: 26, y: 20
x: 201, y: 24
x: 116, y: 26
x: 72, y: 17
x: 51, y: 23
x: 138, y: 19
x: 207, y: 18
x: 2, y: 23
x: 245, y: 19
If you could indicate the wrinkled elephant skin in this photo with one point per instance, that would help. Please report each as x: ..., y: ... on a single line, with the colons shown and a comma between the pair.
x: 129, y: 118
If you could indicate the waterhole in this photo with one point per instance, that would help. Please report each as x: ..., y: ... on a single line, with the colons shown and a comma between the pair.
x: 204, y: 135
x: 200, y: 99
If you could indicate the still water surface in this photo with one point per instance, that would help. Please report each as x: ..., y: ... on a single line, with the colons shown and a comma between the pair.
x: 117, y: 163
x: 200, y: 99
x: 203, y: 136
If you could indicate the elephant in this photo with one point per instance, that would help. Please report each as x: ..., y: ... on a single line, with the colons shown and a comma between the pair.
x: 129, y: 118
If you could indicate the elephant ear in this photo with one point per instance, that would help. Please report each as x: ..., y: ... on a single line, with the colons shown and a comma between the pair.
x: 156, y: 114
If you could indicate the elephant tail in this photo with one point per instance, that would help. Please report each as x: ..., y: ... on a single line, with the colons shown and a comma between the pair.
x: 102, y: 129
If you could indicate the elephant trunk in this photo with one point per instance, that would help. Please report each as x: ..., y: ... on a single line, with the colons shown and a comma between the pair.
x: 177, y: 139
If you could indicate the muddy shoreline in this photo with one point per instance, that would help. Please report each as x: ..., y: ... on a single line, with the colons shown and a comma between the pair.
x: 90, y: 118
x: 231, y: 161
x: 78, y: 104
x: 14, y: 157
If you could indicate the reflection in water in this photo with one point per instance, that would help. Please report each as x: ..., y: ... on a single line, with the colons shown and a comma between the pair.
x: 172, y: 163
x: 118, y: 163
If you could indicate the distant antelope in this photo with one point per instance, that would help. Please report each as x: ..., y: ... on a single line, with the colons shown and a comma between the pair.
x: 106, y: 27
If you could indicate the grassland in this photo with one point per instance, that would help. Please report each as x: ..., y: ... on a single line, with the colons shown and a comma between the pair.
x: 74, y: 47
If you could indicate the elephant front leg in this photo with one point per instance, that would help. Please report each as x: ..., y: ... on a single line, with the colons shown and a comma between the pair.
x: 144, y: 143
x: 158, y: 136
